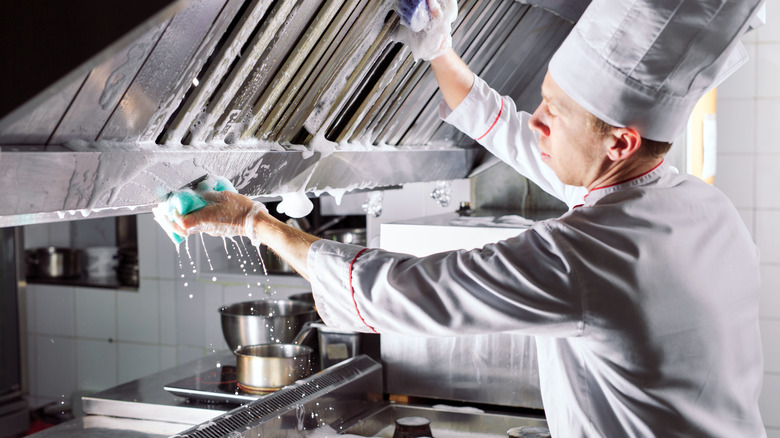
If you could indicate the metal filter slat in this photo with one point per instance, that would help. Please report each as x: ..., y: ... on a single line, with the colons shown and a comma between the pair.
x: 221, y: 100
x: 226, y: 57
x: 264, y: 75
x: 302, y: 51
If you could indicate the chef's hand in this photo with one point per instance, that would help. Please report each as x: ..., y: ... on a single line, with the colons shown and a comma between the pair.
x: 227, y: 214
x: 230, y: 214
x: 432, y: 39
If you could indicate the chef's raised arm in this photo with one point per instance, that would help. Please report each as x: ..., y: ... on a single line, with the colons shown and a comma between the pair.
x: 494, y: 122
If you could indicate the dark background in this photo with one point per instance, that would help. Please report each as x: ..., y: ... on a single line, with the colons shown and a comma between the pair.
x: 43, y: 40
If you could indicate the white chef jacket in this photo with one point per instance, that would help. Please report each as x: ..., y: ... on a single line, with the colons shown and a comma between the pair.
x: 643, y: 300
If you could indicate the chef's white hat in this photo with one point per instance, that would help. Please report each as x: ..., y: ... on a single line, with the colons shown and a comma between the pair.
x: 645, y: 63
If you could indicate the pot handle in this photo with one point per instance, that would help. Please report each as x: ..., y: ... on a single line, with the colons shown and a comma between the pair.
x: 306, y: 331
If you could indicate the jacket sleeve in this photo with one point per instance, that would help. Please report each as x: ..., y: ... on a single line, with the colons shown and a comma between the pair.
x: 522, y: 284
x: 494, y: 122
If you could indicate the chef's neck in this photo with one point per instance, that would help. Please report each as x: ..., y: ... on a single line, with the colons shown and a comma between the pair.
x: 624, y: 171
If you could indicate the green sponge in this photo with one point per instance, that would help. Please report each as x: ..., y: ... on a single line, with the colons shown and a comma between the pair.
x: 188, y: 200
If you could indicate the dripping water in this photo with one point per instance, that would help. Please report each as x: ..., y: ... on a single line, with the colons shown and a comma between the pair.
x: 205, y: 251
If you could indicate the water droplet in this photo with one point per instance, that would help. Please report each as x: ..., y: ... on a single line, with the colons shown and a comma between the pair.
x: 186, y: 284
x: 191, y: 296
x: 213, y: 278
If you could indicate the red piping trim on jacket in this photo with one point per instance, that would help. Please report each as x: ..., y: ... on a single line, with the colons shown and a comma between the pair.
x: 352, y: 290
x: 494, y: 121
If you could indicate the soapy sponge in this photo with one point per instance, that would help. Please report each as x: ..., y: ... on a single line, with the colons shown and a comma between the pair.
x: 427, y: 26
x: 187, y: 200
x: 414, y: 14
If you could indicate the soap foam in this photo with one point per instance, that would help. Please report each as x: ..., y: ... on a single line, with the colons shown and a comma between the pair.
x: 295, y: 205
x: 429, y: 42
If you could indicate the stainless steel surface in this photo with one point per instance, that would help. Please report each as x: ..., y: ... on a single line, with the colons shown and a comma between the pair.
x: 146, y: 399
x: 497, y: 369
x: 99, y: 426
x: 268, y: 367
x: 273, y: 263
x: 51, y: 262
x: 14, y: 416
x: 336, y: 345
x: 306, y: 297
x: 353, y: 236
x: 501, y: 188
x: 334, y: 397
x: 105, y: 181
x: 14, y: 411
x: 412, y: 427
x: 259, y: 92
x: 446, y: 421
x: 264, y: 322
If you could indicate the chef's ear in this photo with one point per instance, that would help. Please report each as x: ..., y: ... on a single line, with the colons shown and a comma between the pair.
x: 625, y: 142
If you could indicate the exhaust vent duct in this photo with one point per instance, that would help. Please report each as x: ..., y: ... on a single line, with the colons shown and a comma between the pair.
x: 278, y: 96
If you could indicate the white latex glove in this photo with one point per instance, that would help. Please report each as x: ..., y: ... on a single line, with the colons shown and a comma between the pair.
x: 434, y: 39
x: 227, y: 214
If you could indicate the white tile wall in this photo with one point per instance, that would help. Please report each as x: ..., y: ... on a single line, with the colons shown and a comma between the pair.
x: 86, y: 339
x: 190, y: 311
x: 96, y: 364
x: 95, y: 314
x: 767, y: 69
x: 767, y: 128
x: 749, y: 111
x: 770, y: 402
x: 168, y: 313
x: 736, y: 178
x: 770, y: 331
x: 55, y: 366
x: 770, y: 294
x: 768, y: 180
x: 138, y: 318
x: 738, y: 112
x: 137, y: 360
x: 54, y: 311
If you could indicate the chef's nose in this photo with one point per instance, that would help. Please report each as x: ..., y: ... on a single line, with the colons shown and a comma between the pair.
x: 537, y: 123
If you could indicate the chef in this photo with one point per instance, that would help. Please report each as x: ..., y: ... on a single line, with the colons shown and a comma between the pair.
x: 643, y: 297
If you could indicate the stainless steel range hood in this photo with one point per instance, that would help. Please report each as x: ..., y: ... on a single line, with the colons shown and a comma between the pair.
x: 278, y: 96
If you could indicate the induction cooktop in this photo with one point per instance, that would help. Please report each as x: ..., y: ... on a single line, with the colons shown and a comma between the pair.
x: 218, y: 385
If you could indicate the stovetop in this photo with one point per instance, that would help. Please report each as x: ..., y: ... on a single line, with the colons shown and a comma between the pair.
x: 217, y: 385
x: 348, y: 398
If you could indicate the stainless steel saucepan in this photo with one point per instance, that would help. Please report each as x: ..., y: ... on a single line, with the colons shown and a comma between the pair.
x: 268, y: 367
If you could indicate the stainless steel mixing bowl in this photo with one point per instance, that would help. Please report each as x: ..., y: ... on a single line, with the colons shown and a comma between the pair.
x: 264, y: 322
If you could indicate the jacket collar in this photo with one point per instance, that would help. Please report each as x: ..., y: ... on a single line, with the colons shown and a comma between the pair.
x: 648, y: 177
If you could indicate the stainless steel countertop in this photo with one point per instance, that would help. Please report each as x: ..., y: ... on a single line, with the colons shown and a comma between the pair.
x: 142, y: 408
x: 101, y: 426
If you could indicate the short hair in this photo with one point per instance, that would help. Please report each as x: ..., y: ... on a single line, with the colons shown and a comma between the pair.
x: 650, y: 148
